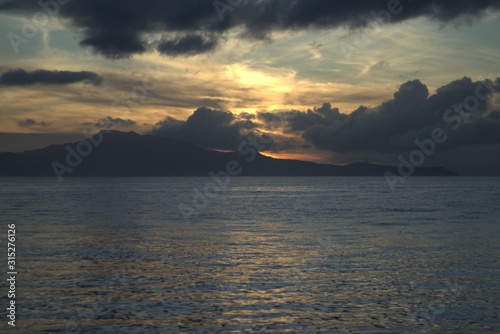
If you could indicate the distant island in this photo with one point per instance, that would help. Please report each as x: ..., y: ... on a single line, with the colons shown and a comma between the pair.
x: 115, y: 153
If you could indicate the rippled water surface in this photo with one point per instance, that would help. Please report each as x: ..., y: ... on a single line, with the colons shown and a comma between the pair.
x: 270, y: 255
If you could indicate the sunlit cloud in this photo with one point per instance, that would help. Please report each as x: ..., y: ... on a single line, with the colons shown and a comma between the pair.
x: 245, y: 69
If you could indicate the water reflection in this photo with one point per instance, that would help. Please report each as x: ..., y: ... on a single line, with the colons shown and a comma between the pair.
x: 126, y: 266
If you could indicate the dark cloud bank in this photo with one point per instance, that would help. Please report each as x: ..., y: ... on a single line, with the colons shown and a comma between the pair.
x: 466, y: 112
x: 20, y: 77
x: 120, y: 28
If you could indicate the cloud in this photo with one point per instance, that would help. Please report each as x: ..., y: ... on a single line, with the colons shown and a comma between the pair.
x: 118, y: 29
x: 392, y: 127
x: 297, y: 121
x: 115, y: 44
x: 110, y: 122
x: 395, y: 125
x: 20, y: 77
x: 187, y: 45
x: 208, y: 128
x: 29, y: 122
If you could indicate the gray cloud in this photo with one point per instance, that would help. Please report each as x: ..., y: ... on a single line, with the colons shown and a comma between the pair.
x: 299, y: 121
x: 395, y: 125
x: 111, y: 123
x: 119, y: 29
x: 29, y: 122
x: 20, y: 77
x: 187, y: 45
x: 208, y: 128
x: 391, y: 128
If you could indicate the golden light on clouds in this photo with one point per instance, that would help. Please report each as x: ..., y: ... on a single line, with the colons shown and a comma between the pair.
x: 299, y: 71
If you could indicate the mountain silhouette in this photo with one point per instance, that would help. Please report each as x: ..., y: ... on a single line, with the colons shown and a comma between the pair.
x: 115, y: 153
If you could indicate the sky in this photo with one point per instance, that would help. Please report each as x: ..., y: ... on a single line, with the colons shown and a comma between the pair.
x: 330, y: 81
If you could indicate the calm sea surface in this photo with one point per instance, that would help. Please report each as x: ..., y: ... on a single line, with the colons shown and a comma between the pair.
x: 269, y: 255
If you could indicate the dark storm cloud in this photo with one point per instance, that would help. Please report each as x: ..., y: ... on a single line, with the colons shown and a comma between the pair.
x: 114, y: 44
x: 395, y: 125
x: 21, y: 77
x: 208, y: 128
x: 29, y: 122
x: 119, y: 28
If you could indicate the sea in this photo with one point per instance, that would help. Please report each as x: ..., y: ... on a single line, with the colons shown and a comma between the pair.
x: 252, y: 255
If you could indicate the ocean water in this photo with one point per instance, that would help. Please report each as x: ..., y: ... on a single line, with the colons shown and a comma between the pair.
x: 260, y: 255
